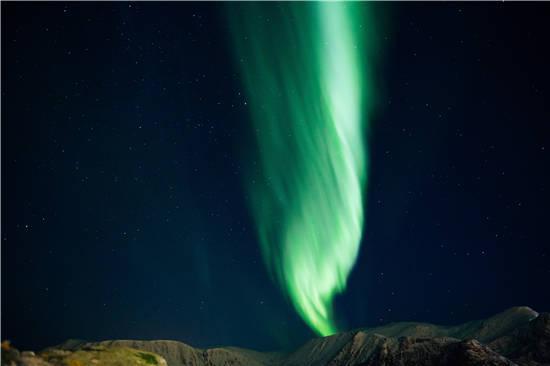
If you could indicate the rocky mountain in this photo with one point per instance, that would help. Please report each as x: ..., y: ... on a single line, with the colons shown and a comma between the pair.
x: 518, y: 336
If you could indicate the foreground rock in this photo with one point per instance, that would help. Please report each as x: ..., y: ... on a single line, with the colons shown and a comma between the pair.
x: 516, y: 337
x: 85, y: 356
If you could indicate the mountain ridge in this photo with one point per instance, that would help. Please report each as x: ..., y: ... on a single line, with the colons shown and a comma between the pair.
x: 518, y: 336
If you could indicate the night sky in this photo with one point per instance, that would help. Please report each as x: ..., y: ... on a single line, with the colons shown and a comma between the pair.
x: 124, y: 213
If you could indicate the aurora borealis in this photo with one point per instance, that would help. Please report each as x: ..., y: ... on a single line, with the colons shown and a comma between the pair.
x: 307, y: 72
x: 148, y: 147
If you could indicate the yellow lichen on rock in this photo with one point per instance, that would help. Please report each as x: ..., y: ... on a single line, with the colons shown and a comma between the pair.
x: 103, y: 356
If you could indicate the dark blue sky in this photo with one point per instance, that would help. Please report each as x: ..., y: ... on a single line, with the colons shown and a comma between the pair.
x: 124, y: 127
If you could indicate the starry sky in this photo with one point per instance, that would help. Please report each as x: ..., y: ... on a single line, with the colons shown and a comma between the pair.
x: 124, y: 213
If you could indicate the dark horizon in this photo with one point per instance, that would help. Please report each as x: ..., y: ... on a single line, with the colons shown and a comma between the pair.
x: 124, y: 214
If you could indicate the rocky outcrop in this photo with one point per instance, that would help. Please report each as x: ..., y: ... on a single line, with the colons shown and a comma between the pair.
x: 84, y: 356
x: 528, y: 344
x: 430, y: 352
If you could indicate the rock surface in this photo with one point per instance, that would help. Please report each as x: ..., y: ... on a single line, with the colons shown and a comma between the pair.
x: 516, y: 337
x: 83, y: 356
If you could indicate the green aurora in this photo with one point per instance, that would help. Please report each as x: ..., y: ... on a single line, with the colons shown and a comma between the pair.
x: 307, y: 71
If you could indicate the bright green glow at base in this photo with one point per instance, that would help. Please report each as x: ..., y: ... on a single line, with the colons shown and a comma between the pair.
x: 306, y: 69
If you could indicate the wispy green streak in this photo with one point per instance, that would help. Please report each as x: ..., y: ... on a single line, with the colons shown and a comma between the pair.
x: 307, y: 72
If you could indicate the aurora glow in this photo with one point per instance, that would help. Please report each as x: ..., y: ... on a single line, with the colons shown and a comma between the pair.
x: 307, y: 73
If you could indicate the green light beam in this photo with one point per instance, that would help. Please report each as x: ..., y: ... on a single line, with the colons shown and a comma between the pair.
x: 307, y: 72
